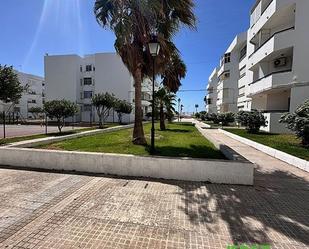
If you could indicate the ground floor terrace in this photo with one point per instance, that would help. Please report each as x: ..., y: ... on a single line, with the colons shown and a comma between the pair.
x: 67, y: 210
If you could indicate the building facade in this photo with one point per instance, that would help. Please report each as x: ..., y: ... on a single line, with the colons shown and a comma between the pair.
x: 278, y: 58
x: 33, y: 96
x: 273, y: 72
x: 211, y: 97
x: 78, y: 78
x: 228, y: 75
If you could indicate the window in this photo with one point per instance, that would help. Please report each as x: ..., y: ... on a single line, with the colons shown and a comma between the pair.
x: 87, y: 108
x: 242, y: 72
x: 81, y: 68
x: 227, y: 58
x: 81, y: 82
x: 87, y: 94
x: 88, y: 68
x: 32, y: 101
x: 209, y: 102
x: 87, y: 81
x: 81, y: 95
x: 225, y: 75
x: 243, y: 53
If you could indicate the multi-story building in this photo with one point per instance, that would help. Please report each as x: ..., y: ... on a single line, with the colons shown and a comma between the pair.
x: 228, y: 75
x: 78, y: 78
x: 32, y: 96
x: 278, y: 58
x: 211, y: 97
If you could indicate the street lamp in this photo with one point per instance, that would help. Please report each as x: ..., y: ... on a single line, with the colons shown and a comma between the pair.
x: 154, y: 49
x: 179, y: 109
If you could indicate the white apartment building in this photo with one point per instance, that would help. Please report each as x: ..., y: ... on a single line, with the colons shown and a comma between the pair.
x: 278, y: 58
x: 32, y: 96
x: 211, y: 97
x: 228, y: 74
x: 78, y: 78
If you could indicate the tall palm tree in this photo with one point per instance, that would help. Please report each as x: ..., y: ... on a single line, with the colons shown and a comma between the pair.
x: 164, y: 100
x: 196, y: 106
x: 134, y: 22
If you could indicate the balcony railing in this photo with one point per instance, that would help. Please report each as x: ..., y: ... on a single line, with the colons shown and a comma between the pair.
x: 276, y: 33
x: 262, y: 12
x: 270, y: 74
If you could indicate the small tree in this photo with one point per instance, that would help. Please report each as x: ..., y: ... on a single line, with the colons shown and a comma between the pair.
x: 103, y: 103
x: 252, y: 120
x: 226, y: 118
x: 299, y: 122
x: 60, y: 110
x: 122, y: 107
x: 10, y: 88
x: 36, y: 111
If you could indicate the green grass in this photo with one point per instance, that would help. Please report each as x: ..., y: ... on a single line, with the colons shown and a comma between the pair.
x: 288, y: 143
x: 179, y: 140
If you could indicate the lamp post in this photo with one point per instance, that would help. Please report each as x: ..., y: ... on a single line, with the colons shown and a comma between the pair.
x: 179, y: 109
x: 154, y: 49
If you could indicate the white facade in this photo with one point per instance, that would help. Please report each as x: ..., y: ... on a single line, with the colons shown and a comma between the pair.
x: 229, y: 75
x: 278, y: 58
x: 78, y: 78
x: 32, y: 96
x: 273, y: 76
x: 211, y: 97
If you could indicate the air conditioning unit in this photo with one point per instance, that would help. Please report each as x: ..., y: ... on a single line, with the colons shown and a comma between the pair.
x: 280, y: 62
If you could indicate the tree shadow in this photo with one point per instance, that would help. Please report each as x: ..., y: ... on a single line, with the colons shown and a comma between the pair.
x: 176, y: 130
x: 277, y: 203
x: 193, y: 151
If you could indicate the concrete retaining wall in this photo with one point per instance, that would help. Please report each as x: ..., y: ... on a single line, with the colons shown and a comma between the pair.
x: 295, y: 161
x: 215, y: 171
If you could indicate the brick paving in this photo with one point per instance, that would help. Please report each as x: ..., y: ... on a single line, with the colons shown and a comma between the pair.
x: 62, y: 210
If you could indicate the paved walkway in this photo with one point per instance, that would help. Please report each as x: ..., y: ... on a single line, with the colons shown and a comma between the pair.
x: 55, y: 210
x: 28, y: 130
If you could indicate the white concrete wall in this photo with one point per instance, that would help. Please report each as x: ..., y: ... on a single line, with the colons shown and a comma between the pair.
x: 214, y: 171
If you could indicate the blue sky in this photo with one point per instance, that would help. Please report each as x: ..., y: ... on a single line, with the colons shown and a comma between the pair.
x: 31, y: 28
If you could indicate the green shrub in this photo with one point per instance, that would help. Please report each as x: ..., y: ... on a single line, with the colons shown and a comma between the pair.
x: 214, y: 118
x: 252, y: 120
x: 226, y: 118
x: 298, y: 122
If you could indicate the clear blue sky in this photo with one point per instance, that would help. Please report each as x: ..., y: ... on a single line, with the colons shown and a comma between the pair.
x: 31, y: 28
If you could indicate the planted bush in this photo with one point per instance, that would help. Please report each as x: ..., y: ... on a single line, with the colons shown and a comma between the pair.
x: 298, y: 122
x: 226, y: 118
x: 214, y: 118
x: 252, y: 120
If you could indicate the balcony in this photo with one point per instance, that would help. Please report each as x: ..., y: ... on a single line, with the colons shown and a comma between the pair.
x: 281, y: 40
x: 264, y: 12
x: 270, y: 81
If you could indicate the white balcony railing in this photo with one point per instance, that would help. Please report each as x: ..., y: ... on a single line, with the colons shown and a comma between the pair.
x: 273, y: 80
x: 280, y: 40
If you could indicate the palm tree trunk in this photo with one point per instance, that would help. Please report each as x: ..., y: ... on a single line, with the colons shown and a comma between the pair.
x: 162, y: 123
x: 138, y: 132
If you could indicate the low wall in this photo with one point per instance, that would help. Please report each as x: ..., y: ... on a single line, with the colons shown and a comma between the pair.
x: 285, y: 157
x: 215, y: 171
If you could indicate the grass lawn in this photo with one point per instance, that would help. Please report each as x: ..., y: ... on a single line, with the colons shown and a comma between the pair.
x: 288, y: 143
x: 179, y: 140
x: 37, y: 136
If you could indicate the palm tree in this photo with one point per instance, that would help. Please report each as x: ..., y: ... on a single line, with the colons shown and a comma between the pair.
x: 164, y: 100
x: 134, y: 22
x: 196, y: 106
